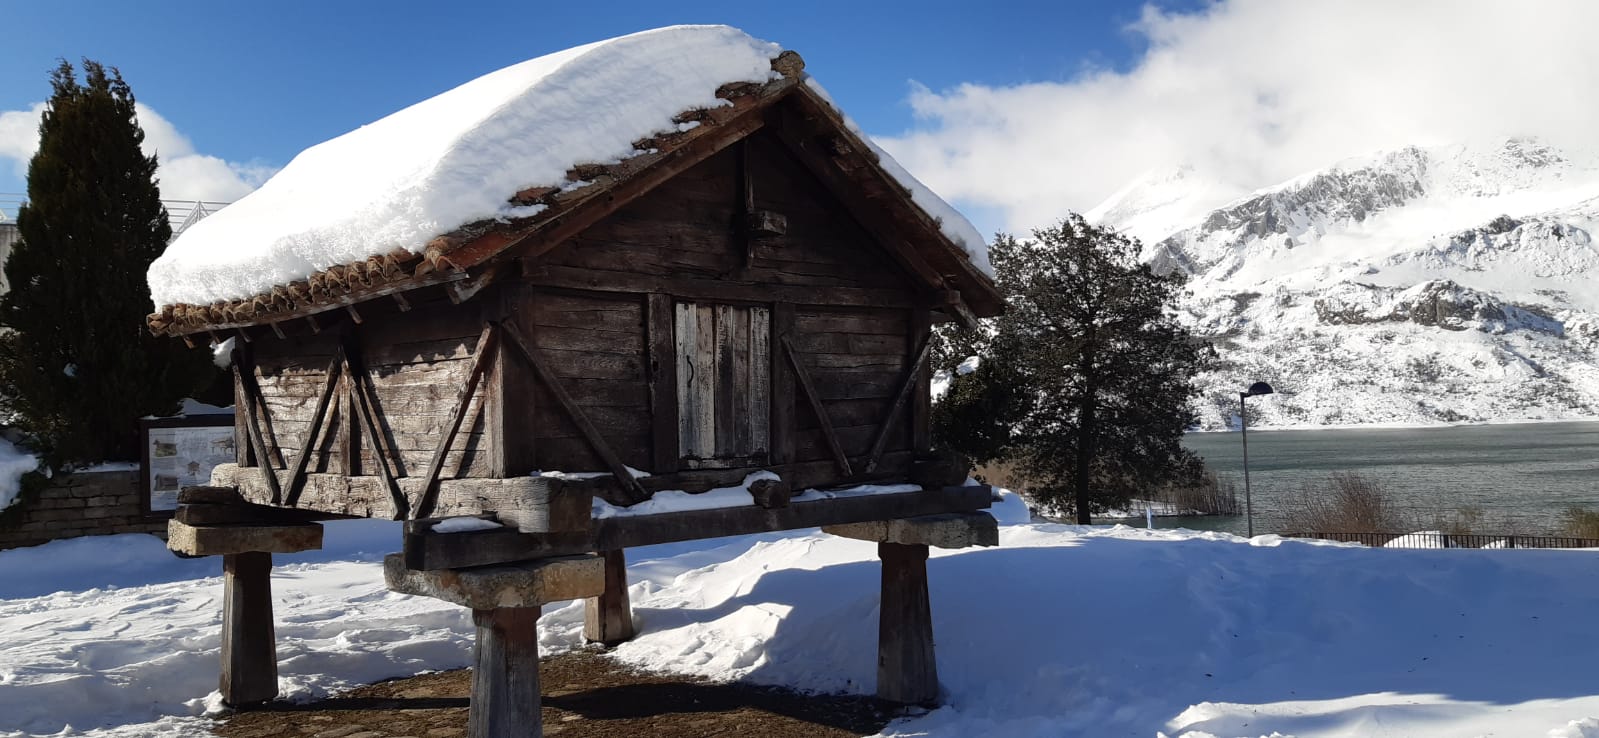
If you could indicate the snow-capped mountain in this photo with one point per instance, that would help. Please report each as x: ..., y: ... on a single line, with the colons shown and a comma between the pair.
x: 1424, y: 285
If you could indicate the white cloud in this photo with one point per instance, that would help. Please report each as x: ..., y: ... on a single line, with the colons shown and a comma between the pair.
x: 185, y: 174
x: 1252, y: 92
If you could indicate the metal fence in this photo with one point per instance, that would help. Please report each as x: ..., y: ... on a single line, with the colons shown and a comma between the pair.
x: 180, y: 213
x: 1451, y: 540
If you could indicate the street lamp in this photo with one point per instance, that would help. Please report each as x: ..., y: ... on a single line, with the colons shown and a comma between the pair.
x: 1258, y: 388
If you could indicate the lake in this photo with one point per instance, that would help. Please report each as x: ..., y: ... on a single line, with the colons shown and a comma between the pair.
x: 1523, y: 475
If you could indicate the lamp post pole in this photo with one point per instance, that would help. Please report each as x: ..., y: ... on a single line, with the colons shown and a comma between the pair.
x: 1249, y: 504
x: 1258, y: 388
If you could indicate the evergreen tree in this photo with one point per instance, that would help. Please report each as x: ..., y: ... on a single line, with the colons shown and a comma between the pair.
x: 77, y: 366
x: 1086, y: 381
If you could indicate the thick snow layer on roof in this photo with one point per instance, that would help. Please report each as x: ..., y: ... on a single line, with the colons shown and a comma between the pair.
x: 458, y: 157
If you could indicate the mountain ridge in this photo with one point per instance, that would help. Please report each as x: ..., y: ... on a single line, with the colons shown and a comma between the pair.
x: 1439, y: 284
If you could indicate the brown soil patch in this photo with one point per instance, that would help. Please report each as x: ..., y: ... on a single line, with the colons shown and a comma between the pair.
x: 586, y: 695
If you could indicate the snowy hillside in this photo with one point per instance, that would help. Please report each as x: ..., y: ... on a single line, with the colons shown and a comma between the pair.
x: 1061, y: 631
x: 1425, y: 285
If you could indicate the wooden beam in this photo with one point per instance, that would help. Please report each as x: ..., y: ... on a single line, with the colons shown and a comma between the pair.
x: 505, y: 674
x: 399, y: 299
x: 464, y: 290
x: 297, y: 476
x: 815, y: 400
x: 782, y: 427
x: 921, y: 325
x: 370, y: 496
x: 252, y: 389
x: 316, y: 328
x: 425, y: 550
x: 954, y: 306
x: 262, y: 456
x: 730, y: 289
x: 249, y: 650
x: 907, y: 385
x: 510, y: 397
x: 907, y: 672
x: 248, y: 514
x: 277, y: 330
x: 664, y: 442
x: 347, y: 444
x: 608, y: 618
x: 485, y: 347
x: 573, y: 411
x: 355, y: 315
x: 746, y: 205
x: 360, y: 388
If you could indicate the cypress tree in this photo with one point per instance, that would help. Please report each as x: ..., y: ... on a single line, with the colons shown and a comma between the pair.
x: 77, y: 366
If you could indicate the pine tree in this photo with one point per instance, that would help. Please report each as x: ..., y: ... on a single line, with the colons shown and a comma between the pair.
x: 77, y: 366
x: 1086, y: 381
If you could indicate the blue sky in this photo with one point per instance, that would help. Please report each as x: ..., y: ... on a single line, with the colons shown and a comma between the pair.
x: 1015, y: 112
x: 261, y: 81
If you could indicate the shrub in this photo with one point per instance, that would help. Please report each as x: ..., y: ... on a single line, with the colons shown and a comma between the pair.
x: 1581, y: 523
x: 1346, y: 503
x: 1212, y: 495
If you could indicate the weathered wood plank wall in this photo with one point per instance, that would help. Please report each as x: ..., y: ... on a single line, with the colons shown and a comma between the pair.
x: 416, y: 366
x: 610, y: 311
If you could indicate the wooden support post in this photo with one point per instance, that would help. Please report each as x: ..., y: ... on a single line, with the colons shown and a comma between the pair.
x: 608, y: 619
x: 505, y: 674
x: 664, y: 442
x: 249, y: 649
x: 922, y: 395
x: 781, y: 426
x: 906, y: 670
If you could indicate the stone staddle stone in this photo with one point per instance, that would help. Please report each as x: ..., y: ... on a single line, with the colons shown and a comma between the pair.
x: 217, y: 540
x: 523, y: 584
x: 946, y: 530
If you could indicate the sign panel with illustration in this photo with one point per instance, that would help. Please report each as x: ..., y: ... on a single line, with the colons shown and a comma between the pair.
x: 180, y: 452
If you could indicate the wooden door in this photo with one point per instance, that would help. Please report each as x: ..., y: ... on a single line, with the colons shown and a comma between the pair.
x: 723, y: 385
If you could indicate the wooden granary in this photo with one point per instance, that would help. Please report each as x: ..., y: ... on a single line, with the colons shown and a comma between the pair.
x: 750, y: 290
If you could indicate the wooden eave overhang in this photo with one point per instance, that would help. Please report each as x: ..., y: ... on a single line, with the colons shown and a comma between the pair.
x: 464, y: 259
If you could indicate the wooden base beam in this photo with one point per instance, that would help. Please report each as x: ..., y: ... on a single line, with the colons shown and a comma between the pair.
x: 907, y: 672
x: 608, y: 618
x: 505, y: 674
x: 426, y: 550
x: 249, y: 646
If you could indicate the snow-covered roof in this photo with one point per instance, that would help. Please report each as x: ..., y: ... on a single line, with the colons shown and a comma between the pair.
x: 372, y: 202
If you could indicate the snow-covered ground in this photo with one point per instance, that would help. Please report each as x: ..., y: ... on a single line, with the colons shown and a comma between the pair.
x: 1061, y: 631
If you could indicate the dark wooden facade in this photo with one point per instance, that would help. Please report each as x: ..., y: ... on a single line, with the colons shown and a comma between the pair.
x: 762, y: 302
x: 755, y: 292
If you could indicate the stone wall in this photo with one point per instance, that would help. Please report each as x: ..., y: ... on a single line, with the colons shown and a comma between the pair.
x: 82, y: 504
